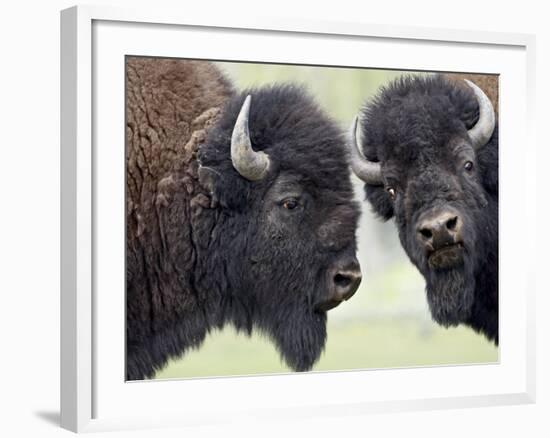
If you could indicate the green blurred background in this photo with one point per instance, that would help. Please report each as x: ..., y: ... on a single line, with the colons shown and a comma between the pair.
x: 387, y: 322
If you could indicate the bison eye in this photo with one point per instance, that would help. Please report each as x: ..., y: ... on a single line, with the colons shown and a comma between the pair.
x: 468, y: 166
x: 391, y: 192
x: 290, y: 204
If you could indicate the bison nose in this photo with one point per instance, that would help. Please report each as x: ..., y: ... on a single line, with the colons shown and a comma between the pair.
x: 439, y: 228
x: 344, y: 279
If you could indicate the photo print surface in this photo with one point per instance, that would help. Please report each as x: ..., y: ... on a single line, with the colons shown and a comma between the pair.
x: 287, y: 218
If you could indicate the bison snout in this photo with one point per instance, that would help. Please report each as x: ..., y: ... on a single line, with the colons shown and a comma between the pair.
x: 439, y: 229
x: 344, y: 280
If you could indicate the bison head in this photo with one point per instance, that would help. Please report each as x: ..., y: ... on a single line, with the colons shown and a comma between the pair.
x: 431, y: 152
x: 276, y: 166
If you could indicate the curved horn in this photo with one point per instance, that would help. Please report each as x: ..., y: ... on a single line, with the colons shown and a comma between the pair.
x: 368, y: 171
x: 481, y: 133
x: 250, y: 164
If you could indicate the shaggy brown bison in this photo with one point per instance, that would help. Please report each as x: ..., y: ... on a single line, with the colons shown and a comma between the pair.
x: 240, y: 211
x: 427, y: 149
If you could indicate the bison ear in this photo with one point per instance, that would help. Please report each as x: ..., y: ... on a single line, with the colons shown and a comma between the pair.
x: 487, y: 157
x: 224, y: 189
x: 207, y: 178
x: 380, y: 202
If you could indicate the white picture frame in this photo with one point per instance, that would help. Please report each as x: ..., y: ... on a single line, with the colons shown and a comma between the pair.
x: 94, y: 396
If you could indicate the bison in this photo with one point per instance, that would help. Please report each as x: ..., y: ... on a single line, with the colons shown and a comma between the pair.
x: 240, y: 211
x: 427, y: 149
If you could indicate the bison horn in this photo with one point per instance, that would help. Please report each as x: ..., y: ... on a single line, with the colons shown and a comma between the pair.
x: 368, y: 171
x: 481, y: 133
x: 250, y: 164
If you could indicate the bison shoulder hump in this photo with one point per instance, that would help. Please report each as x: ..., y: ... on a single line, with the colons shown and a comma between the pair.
x: 170, y: 104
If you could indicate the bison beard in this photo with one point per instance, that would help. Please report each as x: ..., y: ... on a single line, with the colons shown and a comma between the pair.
x: 299, y: 334
x: 211, y: 238
x: 450, y: 294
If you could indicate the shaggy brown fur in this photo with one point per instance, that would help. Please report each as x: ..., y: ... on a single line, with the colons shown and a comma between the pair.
x: 168, y: 109
x: 170, y: 104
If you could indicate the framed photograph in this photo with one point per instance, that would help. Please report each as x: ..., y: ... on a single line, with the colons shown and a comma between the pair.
x: 259, y: 208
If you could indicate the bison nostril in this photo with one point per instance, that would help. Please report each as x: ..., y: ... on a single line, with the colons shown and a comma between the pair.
x: 342, y: 280
x: 451, y: 223
x: 345, y: 283
x: 426, y: 232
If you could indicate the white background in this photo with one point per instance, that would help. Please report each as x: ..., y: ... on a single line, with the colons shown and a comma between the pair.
x: 29, y: 218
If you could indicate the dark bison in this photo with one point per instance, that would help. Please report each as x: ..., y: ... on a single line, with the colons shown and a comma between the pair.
x: 240, y: 211
x: 427, y: 149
